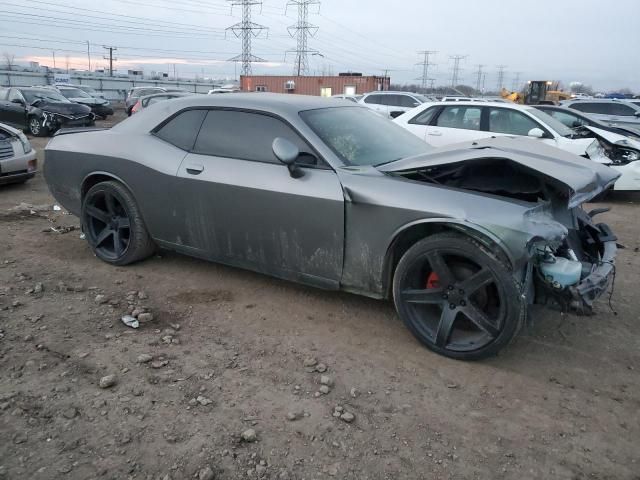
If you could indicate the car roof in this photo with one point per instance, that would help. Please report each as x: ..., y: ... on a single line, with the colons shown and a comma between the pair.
x: 475, y: 103
x: 596, y: 100
x: 282, y: 104
x: 391, y: 92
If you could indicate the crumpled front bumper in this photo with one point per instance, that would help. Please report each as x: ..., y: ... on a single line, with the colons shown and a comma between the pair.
x: 596, y: 283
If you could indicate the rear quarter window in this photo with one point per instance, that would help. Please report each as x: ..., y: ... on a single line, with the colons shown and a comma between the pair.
x: 182, y: 130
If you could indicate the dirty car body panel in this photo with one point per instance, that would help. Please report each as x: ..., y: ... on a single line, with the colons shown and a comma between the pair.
x: 345, y: 218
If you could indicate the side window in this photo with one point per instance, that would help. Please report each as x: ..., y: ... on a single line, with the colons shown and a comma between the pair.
x: 569, y: 120
x: 243, y: 135
x: 376, y: 99
x: 14, y: 94
x: 182, y: 129
x: 511, y: 122
x: 622, y: 110
x: 408, y: 101
x: 393, y: 100
x: 587, y: 107
x: 424, y: 117
x: 4, y: 93
x: 464, y: 117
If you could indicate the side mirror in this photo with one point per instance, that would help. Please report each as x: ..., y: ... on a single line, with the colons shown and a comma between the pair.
x: 536, y: 133
x: 287, y: 153
x: 395, y: 114
x: 18, y: 101
x: 576, y: 124
x: 637, y: 114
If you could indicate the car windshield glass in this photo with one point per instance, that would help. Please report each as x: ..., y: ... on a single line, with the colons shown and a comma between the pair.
x: 422, y: 98
x: 33, y: 94
x: 554, y: 124
x: 360, y: 136
x: 74, y: 93
x: 88, y: 89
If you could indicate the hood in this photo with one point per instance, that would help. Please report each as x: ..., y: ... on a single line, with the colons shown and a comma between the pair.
x: 577, y: 146
x: 614, y: 138
x: 62, y: 108
x: 10, y: 130
x: 580, y: 179
x: 88, y: 101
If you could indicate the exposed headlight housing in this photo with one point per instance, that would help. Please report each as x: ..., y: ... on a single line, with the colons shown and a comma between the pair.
x: 622, y: 156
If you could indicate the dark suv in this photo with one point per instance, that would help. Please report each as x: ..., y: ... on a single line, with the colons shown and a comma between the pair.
x: 41, y: 111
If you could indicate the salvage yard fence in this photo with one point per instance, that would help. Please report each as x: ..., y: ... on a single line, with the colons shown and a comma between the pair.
x: 113, y: 88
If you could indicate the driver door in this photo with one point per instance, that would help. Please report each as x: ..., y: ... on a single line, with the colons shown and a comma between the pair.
x: 245, y: 209
x: 15, y: 113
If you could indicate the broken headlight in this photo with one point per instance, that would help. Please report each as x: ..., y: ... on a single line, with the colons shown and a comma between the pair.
x: 622, y: 156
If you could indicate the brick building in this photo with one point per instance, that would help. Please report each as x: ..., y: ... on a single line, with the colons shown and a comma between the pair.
x: 326, y: 86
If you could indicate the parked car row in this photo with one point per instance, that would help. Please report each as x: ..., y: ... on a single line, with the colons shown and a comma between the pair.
x: 462, y: 238
x: 41, y: 111
x: 443, y: 124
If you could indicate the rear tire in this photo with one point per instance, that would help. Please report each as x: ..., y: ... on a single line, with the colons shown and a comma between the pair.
x: 113, y: 225
x: 457, y: 297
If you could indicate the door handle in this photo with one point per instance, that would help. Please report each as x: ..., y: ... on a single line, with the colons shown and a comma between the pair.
x: 194, y: 169
x: 436, y: 133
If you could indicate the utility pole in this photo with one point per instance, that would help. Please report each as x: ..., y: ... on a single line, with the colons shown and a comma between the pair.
x: 89, y: 56
x: 479, y: 77
x: 246, y: 30
x: 456, y: 69
x: 432, y: 82
x: 110, y: 58
x: 516, y: 82
x: 425, y: 64
x: 54, y: 58
x: 501, y: 77
x: 301, y: 30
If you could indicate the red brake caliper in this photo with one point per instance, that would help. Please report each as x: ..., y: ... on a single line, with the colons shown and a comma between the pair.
x: 433, y: 281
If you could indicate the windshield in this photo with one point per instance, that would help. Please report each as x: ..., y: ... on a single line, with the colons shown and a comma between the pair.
x: 360, y: 136
x: 33, y: 94
x: 87, y: 89
x: 74, y: 93
x: 556, y: 125
x: 422, y: 98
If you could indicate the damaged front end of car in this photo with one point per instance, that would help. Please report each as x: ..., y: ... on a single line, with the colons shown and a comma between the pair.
x: 560, y: 254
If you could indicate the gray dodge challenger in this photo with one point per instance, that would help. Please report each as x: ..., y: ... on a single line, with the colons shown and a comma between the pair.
x: 327, y: 193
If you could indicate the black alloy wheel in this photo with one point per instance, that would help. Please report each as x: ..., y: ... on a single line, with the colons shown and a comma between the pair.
x: 457, y: 298
x: 113, y: 225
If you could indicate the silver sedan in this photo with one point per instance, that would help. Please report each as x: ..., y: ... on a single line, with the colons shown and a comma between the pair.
x: 17, y: 158
x: 327, y: 193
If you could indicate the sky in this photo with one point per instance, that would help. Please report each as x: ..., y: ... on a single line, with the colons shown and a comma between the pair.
x: 588, y: 41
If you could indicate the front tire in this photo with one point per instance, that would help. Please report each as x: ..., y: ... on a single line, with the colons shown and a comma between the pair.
x: 36, y: 128
x: 113, y: 225
x: 457, y: 297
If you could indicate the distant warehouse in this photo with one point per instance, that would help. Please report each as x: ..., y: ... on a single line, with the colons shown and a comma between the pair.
x: 325, y: 86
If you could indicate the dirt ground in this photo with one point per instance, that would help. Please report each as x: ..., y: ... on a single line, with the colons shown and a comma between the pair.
x: 225, y: 381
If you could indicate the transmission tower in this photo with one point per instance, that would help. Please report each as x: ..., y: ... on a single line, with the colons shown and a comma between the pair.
x: 501, y: 76
x: 425, y: 64
x: 516, y: 82
x: 245, y: 30
x: 479, y: 77
x: 455, y: 74
x: 302, y: 30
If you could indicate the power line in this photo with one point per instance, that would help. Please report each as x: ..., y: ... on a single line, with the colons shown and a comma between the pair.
x: 246, y: 29
x: 501, y: 76
x: 110, y: 58
x: 516, y: 81
x: 456, y: 68
x: 479, y: 77
x: 302, y: 30
x: 425, y: 64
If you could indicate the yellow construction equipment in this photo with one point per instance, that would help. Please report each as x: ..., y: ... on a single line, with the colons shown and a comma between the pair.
x: 537, y: 92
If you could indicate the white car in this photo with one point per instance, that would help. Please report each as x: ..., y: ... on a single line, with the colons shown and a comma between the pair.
x: 442, y: 124
x: 392, y: 104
